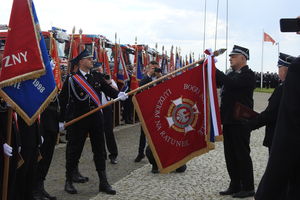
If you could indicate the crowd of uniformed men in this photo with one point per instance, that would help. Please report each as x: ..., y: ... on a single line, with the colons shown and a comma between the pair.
x: 34, y: 145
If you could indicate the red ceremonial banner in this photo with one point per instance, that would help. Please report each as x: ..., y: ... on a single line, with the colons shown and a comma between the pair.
x: 174, y: 117
x: 22, y: 59
x: 56, y: 63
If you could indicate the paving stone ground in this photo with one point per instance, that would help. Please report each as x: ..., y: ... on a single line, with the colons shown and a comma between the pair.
x: 206, y: 175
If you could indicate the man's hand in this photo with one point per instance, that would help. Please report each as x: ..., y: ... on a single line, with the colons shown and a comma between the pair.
x: 123, y: 96
x: 7, y: 149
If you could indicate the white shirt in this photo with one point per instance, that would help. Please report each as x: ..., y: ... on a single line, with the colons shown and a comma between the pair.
x: 83, y: 73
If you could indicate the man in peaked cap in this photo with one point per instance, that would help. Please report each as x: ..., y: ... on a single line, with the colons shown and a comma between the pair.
x: 281, y: 179
x: 238, y: 50
x: 268, y: 117
x: 82, y: 91
x: 237, y: 87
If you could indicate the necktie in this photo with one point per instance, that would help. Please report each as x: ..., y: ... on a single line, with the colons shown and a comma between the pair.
x: 89, y: 77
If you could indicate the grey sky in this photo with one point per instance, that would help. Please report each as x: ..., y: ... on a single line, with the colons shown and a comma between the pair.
x: 178, y: 23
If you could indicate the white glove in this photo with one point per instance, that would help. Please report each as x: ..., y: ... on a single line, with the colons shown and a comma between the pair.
x: 122, y: 96
x: 61, y: 126
x: 42, y: 139
x: 7, y: 149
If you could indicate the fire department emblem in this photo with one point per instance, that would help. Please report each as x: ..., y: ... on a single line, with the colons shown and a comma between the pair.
x: 182, y: 115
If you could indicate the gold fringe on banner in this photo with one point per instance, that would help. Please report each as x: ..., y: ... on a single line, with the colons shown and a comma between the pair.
x: 23, y: 77
x: 29, y: 121
x: 175, y: 165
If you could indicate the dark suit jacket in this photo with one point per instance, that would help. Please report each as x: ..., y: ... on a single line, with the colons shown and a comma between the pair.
x: 237, y: 87
x: 30, y: 135
x: 268, y: 117
x: 50, y: 118
x: 81, y: 107
x: 284, y: 161
x: 146, y: 79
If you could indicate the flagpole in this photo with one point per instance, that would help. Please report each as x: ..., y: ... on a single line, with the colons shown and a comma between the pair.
x: 226, y: 36
x: 262, y: 62
x: 70, y: 50
x: 80, y: 40
x: 216, y: 33
x: 93, y: 47
x: 7, y: 158
x: 216, y: 53
x: 204, y: 28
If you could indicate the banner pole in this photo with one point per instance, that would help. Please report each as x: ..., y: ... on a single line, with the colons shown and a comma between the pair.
x: 216, y: 53
x: 70, y: 51
x: 7, y: 158
x: 262, y: 62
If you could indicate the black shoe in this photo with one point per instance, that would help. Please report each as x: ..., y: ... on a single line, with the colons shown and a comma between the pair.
x: 139, y: 157
x: 229, y: 191
x: 105, y: 187
x: 244, y: 194
x: 46, y: 194
x: 113, y: 161
x: 154, y: 170
x: 37, y: 195
x: 181, y: 169
x: 78, y: 178
x: 69, y: 188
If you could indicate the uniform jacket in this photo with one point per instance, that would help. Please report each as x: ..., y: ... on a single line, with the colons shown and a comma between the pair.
x: 284, y: 160
x: 30, y: 135
x: 68, y: 98
x: 268, y: 117
x: 146, y: 79
x: 3, y: 128
x: 50, y: 118
x: 238, y: 86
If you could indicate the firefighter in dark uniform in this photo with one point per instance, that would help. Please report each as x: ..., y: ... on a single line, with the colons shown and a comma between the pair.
x: 281, y: 180
x: 108, y: 128
x: 49, y: 130
x: 268, y: 117
x: 238, y: 86
x: 8, y: 150
x: 31, y: 140
x: 147, y: 79
x: 81, y: 103
x: 67, y: 115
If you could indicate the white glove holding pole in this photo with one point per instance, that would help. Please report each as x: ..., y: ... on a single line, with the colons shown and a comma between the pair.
x: 61, y: 126
x: 7, y: 149
x: 122, y: 96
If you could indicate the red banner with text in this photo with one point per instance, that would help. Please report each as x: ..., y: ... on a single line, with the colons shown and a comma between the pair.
x: 174, y: 116
x: 22, y: 59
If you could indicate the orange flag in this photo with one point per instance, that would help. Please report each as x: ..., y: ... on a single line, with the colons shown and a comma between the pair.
x: 56, y: 63
x: 106, y: 62
x: 268, y: 38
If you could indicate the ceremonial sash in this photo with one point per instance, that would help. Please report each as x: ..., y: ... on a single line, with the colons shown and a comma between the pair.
x: 87, y: 88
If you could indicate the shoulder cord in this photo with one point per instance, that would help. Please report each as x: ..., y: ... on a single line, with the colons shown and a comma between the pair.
x: 57, y: 99
x: 74, y: 91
